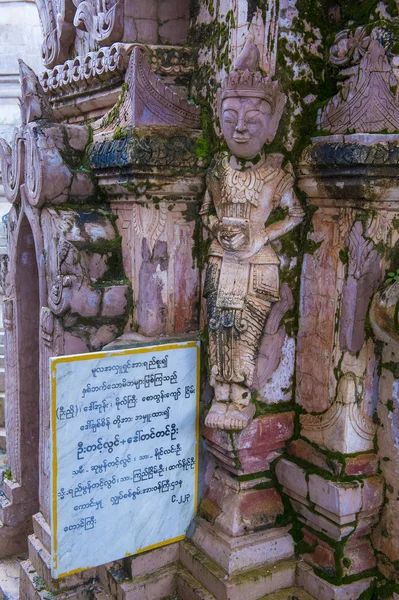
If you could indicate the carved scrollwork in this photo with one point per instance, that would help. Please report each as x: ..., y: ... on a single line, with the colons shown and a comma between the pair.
x: 56, y: 17
x: 40, y: 148
x: 349, y: 47
x: 69, y: 273
x: 84, y: 70
x: 11, y: 162
x: 47, y: 326
x: 33, y: 170
x: 102, y: 19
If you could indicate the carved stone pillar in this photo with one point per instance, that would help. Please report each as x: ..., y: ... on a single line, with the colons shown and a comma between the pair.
x: 384, y: 319
x: 332, y: 472
x: 66, y: 293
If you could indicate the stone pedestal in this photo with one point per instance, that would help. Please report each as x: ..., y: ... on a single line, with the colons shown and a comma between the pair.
x: 237, y: 547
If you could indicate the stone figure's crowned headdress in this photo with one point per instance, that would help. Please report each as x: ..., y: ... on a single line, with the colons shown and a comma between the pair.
x: 245, y: 80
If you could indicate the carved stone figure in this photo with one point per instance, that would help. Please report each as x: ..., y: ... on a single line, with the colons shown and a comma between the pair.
x: 242, y: 281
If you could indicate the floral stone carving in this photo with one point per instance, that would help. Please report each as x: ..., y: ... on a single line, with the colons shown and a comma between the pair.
x: 82, y: 71
x: 102, y: 20
x: 242, y: 280
x: 40, y: 147
x: 366, y: 102
x: 56, y: 18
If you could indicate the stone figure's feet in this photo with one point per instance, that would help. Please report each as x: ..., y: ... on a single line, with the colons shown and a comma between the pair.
x: 238, y: 416
x: 240, y: 394
x: 216, y: 415
x: 222, y: 391
x: 229, y: 416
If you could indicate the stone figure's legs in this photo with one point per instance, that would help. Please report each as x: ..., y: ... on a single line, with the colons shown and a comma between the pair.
x: 234, y: 338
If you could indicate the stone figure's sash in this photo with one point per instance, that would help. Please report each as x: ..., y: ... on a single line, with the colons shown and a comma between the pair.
x: 233, y: 282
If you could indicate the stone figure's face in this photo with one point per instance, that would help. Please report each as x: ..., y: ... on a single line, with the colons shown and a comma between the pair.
x: 245, y: 125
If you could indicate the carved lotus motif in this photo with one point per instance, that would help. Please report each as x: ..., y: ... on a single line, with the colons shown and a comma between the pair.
x: 349, y: 47
x: 102, y: 19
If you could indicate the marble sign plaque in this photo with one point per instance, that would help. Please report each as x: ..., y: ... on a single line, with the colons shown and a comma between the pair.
x: 124, y: 434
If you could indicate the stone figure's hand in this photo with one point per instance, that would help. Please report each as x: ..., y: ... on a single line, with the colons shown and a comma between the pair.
x: 237, y: 241
x: 260, y: 240
x: 224, y: 241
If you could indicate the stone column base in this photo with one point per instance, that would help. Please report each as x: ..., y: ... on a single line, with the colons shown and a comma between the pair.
x: 245, y: 552
x: 323, y: 590
x: 251, y: 584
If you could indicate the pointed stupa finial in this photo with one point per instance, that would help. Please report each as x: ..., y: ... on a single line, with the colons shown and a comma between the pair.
x: 249, y: 57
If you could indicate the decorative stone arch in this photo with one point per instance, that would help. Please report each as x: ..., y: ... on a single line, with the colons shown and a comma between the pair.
x: 64, y: 295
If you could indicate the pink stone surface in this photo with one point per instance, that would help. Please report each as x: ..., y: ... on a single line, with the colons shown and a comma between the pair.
x: 152, y: 561
x: 303, y: 450
x: 115, y: 301
x: 317, y: 317
x: 373, y: 493
x: 146, y: 31
x: 174, y: 31
x: 323, y: 590
x: 292, y: 477
x: 364, y: 464
x: 338, y: 498
x: 251, y: 585
x: 255, y: 447
x: 358, y: 553
x: 236, y: 510
x: 246, y: 552
x: 323, y: 554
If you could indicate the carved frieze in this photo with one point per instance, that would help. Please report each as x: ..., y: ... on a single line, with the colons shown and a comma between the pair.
x: 147, y: 152
x: 147, y: 101
x: 366, y: 101
x: 82, y: 71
